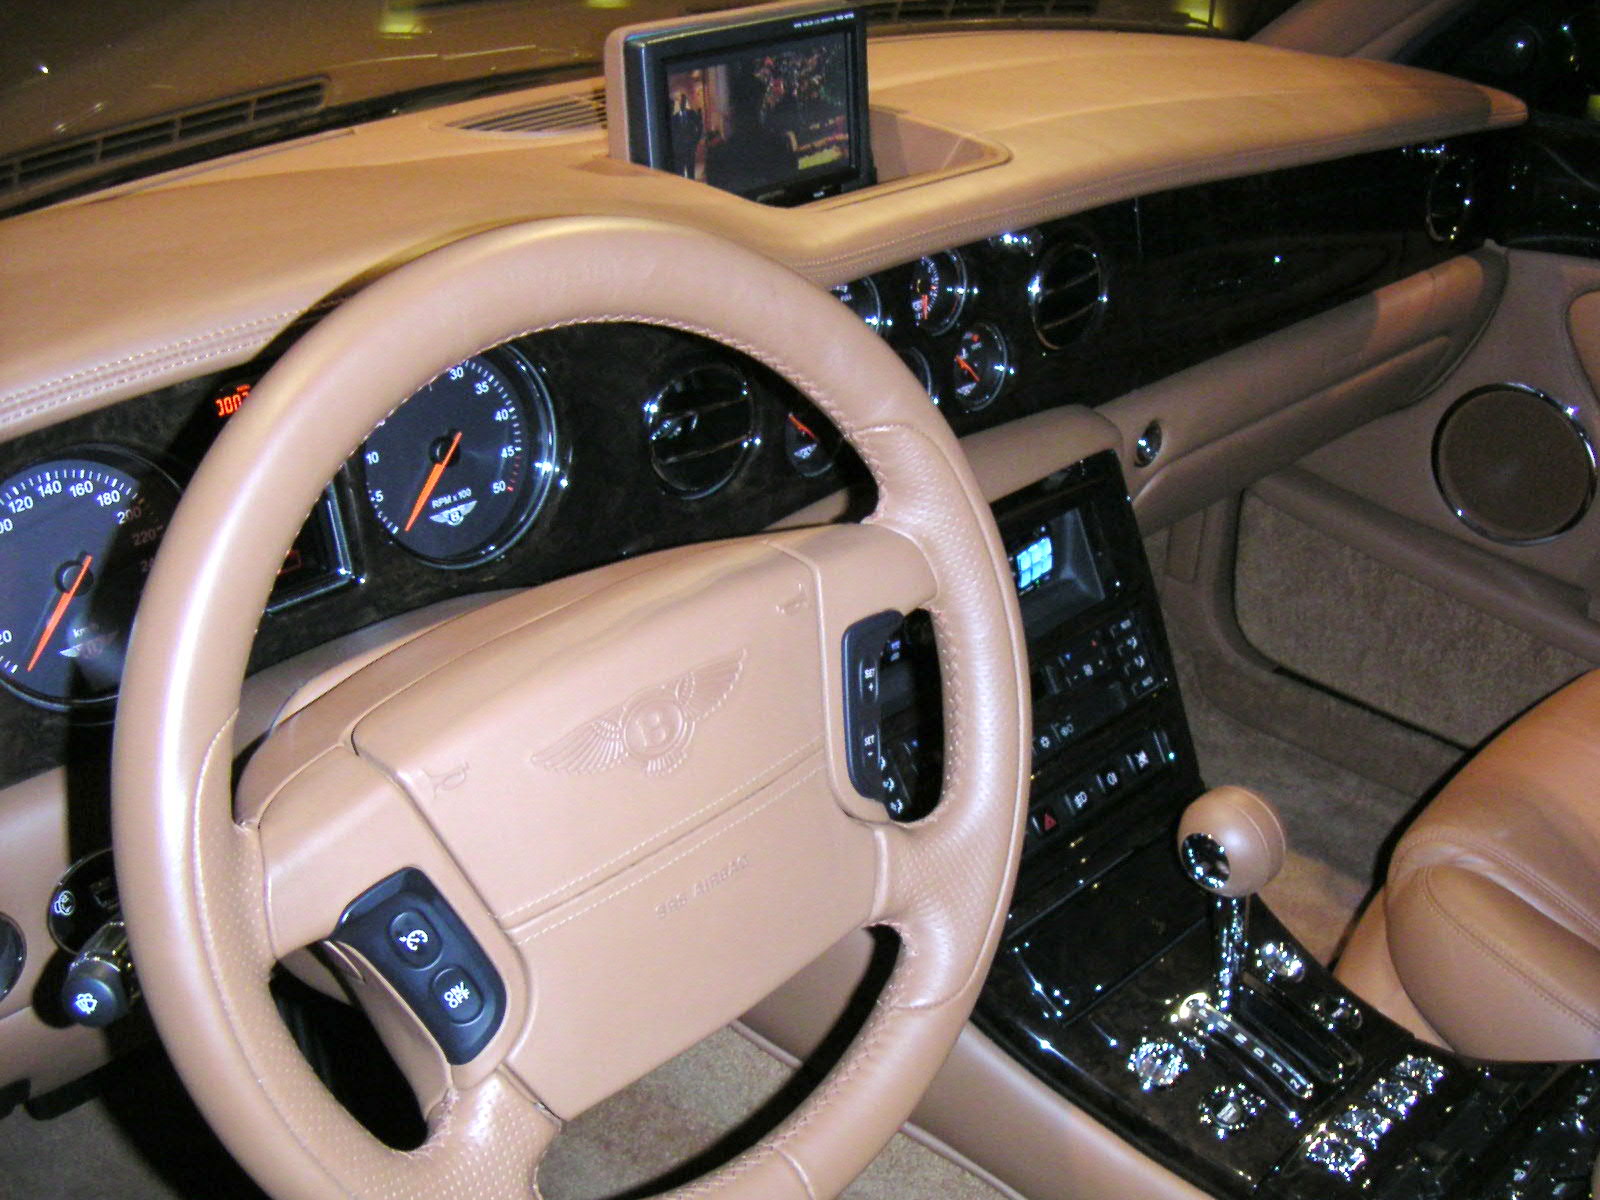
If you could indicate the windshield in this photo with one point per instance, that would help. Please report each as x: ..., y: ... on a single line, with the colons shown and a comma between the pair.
x: 97, y: 90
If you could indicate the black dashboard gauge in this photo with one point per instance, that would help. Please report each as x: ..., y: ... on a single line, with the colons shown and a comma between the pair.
x: 861, y: 296
x: 807, y: 446
x: 939, y: 291
x: 917, y: 363
x: 980, y: 367
x: 459, y: 471
x: 77, y: 534
x: 699, y: 428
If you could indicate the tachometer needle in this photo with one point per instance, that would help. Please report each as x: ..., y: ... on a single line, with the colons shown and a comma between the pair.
x: 60, y: 609
x: 432, y: 481
x: 967, y: 367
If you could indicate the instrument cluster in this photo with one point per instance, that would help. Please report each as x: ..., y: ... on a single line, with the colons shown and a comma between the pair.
x: 639, y: 438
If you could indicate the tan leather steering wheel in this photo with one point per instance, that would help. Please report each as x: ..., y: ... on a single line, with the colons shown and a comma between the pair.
x: 629, y: 906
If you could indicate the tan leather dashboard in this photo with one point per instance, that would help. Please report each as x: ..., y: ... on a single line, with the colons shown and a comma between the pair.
x: 119, y: 293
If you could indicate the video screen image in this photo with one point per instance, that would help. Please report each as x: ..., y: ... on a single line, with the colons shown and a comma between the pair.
x: 762, y: 117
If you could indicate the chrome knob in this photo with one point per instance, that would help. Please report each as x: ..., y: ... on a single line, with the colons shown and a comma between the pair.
x: 1157, y: 1063
x: 1229, y: 1108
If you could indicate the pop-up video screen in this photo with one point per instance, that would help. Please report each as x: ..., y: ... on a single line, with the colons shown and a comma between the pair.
x: 772, y: 108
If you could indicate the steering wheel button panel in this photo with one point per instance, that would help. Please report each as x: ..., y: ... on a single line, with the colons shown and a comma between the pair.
x: 404, y: 926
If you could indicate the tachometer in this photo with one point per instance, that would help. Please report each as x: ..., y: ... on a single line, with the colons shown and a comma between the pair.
x: 459, y: 471
x: 77, y: 534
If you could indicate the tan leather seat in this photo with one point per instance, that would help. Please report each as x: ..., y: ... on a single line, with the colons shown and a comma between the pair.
x: 1486, y: 936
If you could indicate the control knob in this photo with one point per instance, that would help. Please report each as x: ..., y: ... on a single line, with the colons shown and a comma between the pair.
x: 100, y: 987
x: 1157, y: 1063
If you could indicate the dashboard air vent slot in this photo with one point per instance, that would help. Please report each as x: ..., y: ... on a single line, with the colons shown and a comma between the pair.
x: 700, y: 427
x: 51, y: 165
x: 1067, y: 293
x: 577, y: 113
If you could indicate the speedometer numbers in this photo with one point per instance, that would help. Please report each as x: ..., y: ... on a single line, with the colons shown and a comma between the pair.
x: 459, y: 471
x: 77, y: 535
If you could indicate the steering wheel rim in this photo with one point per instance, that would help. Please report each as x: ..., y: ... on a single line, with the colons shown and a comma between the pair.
x: 197, y: 879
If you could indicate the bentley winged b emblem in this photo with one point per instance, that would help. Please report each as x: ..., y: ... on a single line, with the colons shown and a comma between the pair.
x: 652, y: 729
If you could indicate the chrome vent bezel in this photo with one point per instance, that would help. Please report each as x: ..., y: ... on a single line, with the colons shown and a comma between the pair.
x: 700, y: 428
x: 576, y: 112
x: 1067, y: 295
x: 43, y: 167
x: 1450, y: 195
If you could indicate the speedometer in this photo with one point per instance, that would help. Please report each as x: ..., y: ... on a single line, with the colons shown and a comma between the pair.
x: 459, y: 471
x: 77, y: 534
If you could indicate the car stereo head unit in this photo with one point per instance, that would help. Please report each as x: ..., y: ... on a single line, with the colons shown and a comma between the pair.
x: 767, y: 102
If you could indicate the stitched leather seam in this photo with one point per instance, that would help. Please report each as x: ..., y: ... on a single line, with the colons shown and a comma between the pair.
x: 1500, y: 958
x: 522, y: 911
x: 1456, y: 840
x: 791, y: 786
x: 209, y: 338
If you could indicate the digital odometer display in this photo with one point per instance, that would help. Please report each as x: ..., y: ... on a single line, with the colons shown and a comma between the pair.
x: 77, y: 535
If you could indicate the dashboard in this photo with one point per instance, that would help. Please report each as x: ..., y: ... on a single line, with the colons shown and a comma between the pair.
x: 576, y: 447
x: 1063, y: 223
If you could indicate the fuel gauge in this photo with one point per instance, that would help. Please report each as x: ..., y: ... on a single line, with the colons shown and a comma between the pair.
x: 806, y: 444
x: 980, y: 368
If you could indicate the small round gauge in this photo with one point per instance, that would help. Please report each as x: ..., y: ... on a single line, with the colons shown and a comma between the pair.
x: 807, y: 445
x: 980, y: 367
x: 458, y: 472
x: 917, y: 363
x: 863, y: 299
x: 939, y: 291
x: 77, y: 535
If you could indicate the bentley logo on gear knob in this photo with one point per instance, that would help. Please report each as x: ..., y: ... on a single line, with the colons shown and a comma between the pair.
x: 652, y: 729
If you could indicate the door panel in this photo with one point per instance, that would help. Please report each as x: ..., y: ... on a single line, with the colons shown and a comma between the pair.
x: 1355, y: 572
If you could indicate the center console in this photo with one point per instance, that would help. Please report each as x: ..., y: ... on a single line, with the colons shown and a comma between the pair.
x: 1234, y: 1059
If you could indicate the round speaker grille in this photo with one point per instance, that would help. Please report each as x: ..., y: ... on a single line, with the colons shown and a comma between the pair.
x: 1513, y: 464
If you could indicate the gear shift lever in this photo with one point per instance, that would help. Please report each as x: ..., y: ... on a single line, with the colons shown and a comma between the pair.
x: 1231, y: 843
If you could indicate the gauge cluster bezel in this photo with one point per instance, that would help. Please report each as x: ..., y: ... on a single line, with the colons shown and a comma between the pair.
x: 600, y: 469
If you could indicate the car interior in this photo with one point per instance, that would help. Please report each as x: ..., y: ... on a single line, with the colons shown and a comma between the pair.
x: 967, y: 599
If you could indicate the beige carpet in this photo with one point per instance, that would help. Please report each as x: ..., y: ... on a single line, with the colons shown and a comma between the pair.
x: 690, y: 1104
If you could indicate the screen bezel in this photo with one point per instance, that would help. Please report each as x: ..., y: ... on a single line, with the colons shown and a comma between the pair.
x: 650, y: 54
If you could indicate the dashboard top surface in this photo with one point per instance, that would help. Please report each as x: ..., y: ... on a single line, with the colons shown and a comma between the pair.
x: 203, y: 268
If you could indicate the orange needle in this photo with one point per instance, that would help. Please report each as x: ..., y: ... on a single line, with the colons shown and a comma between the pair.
x: 967, y: 367
x: 925, y: 302
x: 432, y: 481
x: 60, y: 610
x: 802, y: 426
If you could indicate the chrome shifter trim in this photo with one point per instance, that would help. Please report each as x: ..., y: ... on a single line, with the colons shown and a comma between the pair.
x: 1203, y: 1021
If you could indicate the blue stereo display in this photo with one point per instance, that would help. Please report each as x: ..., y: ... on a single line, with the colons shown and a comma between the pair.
x: 1033, y: 563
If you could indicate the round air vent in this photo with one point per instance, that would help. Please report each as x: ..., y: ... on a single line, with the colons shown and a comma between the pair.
x: 1450, y: 196
x: 700, y: 427
x: 1067, y: 293
x: 1513, y: 464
